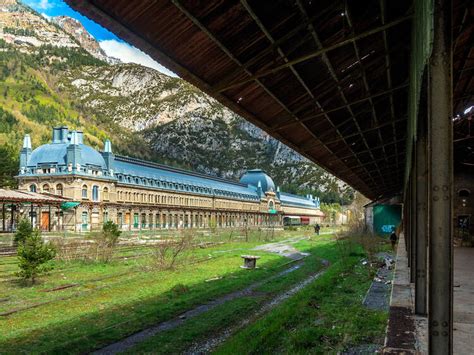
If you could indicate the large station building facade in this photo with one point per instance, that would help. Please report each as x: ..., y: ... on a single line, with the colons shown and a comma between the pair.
x: 138, y: 194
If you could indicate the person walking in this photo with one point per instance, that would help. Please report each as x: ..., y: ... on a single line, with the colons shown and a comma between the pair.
x: 393, y: 239
x: 317, y: 228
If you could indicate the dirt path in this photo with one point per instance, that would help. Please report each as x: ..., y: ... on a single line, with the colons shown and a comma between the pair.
x: 143, y: 335
x: 210, y: 344
x: 283, y: 248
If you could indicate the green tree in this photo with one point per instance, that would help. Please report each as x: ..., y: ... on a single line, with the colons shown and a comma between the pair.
x: 8, y: 166
x: 24, y: 230
x: 111, y: 232
x: 106, y: 241
x: 33, y: 257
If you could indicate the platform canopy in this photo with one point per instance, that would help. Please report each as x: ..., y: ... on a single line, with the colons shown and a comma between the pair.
x: 329, y: 78
x: 18, y: 196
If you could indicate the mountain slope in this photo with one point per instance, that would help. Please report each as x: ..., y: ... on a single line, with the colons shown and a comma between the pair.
x: 146, y: 114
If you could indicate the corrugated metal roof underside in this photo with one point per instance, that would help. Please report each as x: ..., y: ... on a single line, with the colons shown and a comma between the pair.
x: 328, y: 78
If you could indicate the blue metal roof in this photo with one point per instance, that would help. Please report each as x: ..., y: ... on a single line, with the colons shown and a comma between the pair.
x: 287, y: 199
x: 134, y: 171
x: 55, y: 154
x: 255, y: 176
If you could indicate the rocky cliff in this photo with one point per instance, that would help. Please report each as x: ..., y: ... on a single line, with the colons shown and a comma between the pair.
x: 146, y: 113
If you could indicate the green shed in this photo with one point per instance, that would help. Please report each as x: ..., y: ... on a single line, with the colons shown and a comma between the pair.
x: 386, y: 218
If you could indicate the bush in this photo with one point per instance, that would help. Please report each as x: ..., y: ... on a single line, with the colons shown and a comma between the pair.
x: 106, y: 241
x: 24, y: 230
x: 33, y: 256
x: 167, y: 252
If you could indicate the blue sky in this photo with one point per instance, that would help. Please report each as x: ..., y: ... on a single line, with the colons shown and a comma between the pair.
x: 110, y: 43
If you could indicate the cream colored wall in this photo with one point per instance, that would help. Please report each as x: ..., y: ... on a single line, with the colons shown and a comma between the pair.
x: 297, y: 211
x: 128, y: 199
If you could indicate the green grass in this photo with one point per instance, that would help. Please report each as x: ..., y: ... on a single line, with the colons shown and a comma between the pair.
x: 199, y: 328
x: 131, y: 297
x: 342, y: 320
x: 112, y: 301
x: 326, y: 317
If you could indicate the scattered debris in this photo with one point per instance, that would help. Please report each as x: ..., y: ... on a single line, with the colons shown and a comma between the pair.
x: 59, y: 288
x: 213, y: 279
x: 250, y: 261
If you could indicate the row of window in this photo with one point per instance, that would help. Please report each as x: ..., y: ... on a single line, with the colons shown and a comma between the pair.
x: 181, y: 187
x: 178, y: 220
x: 59, y: 190
x: 48, y: 189
x: 95, y: 193
x: 162, y: 199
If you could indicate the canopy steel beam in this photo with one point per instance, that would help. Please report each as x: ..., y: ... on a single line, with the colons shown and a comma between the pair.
x: 224, y: 86
x: 345, y: 106
x: 311, y: 146
x: 388, y: 65
x: 367, y: 150
x: 440, y: 314
x: 422, y: 188
x: 333, y: 74
x: 364, y: 75
x: 295, y: 73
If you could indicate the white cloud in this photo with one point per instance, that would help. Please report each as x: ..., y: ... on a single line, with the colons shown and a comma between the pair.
x: 40, y: 5
x: 128, y: 54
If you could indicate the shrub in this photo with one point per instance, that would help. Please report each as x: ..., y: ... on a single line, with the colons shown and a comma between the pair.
x: 106, y: 241
x: 167, y: 252
x: 33, y: 256
x: 24, y: 230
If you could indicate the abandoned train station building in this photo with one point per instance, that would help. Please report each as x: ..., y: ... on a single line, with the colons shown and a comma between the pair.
x: 138, y: 194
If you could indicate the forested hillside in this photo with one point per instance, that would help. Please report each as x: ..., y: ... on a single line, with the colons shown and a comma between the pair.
x: 53, y: 73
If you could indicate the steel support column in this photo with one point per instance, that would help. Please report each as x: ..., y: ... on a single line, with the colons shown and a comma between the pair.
x: 440, y: 314
x: 413, y: 219
x: 421, y: 220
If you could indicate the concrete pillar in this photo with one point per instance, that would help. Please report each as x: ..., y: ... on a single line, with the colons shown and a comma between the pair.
x: 440, y: 312
x: 421, y: 305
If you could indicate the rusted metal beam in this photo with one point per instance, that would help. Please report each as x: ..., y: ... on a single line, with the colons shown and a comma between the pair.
x: 345, y: 106
x: 388, y: 65
x: 372, y: 161
x: 364, y: 75
x: 422, y: 188
x: 402, y: 139
x: 295, y: 73
x: 440, y: 311
x: 413, y: 210
x: 295, y: 44
x: 229, y: 85
x: 333, y: 74
x: 311, y: 146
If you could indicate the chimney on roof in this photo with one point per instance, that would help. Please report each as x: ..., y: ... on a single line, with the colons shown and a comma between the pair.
x: 25, y: 152
x: 73, y: 158
x: 60, y: 134
x: 80, y: 137
x: 108, y: 155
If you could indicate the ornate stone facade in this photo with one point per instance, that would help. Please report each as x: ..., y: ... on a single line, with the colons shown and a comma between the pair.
x: 138, y: 194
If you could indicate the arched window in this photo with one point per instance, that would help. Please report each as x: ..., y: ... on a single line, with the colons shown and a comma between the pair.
x: 271, y: 205
x: 45, y: 188
x: 105, y: 193
x: 95, y: 193
x: 59, y: 189
x: 33, y: 188
x: 84, y: 191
